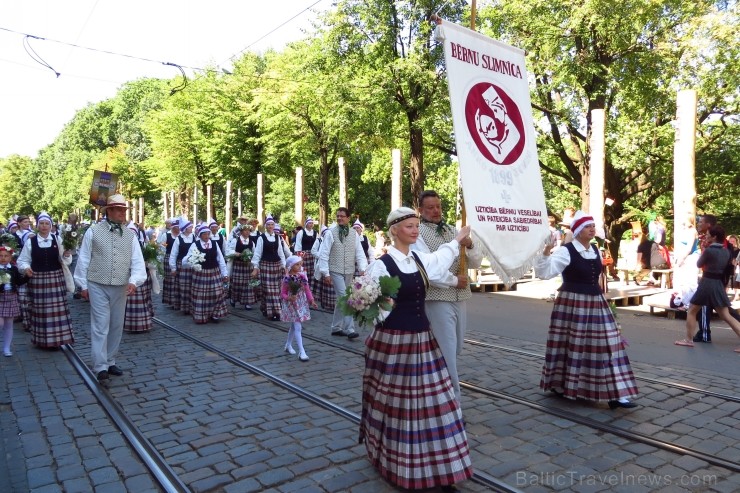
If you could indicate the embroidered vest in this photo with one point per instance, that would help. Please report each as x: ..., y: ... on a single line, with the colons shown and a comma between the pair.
x: 342, y: 254
x: 110, y: 255
x: 434, y: 241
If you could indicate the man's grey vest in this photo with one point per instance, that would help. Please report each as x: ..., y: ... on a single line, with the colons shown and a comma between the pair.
x: 434, y: 241
x: 110, y: 255
x: 342, y: 255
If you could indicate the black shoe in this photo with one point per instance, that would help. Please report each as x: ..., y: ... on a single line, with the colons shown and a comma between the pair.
x: 233, y: 303
x: 339, y: 333
x: 214, y: 320
x: 114, y: 370
x: 353, y: 335
x: 102, y: 375
x: 557, y: 393
x: 626, y: 405
x: 275, y: 318
x: 77, y: 296
x: 448, y: 488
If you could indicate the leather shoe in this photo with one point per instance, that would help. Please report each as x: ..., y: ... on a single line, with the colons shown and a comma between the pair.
x: 353, y: 335
x: 114, y: 370
x: 339, y: 333
x: 626, y: 405
x: 102, y: 375
x: 275, y: 318
x: 214, y: 320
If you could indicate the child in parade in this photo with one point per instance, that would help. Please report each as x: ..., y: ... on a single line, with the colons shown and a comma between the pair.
x: 295, y: 297
x: 10, y: 279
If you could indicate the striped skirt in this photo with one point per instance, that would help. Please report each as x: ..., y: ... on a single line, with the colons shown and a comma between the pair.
x: 241, y: 292
x: 139, y: 309
x: 271, y: 275
x: 24, y: 303
x: 51, y: 325
x: 9, y: 307
x: 169, y: 287
x: 209, y: 295
x: 183, y: 282
x: 585, y: 356
x: 411, y: 422
x: 322, y: 293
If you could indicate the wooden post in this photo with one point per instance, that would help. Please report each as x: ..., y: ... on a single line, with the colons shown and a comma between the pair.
x: 684, y: 165
x: 396, y: 179
x: 260, y: 198
x: 227, y: 211
x: 172, y: 203
x: 597, y: 147
x: 342, y: 182
x: 298, y: 196
x: 141, y: 210
x: 129, y: 210
x: 239, y: 202
x: 164, y: 206
x: 195, y: 205
x: 209, y: 202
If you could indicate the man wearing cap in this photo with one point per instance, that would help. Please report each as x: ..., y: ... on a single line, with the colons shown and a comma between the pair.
x: 109, y: 268
x: 241, y: 221
x: 339, y: 257
x: 446, y: 303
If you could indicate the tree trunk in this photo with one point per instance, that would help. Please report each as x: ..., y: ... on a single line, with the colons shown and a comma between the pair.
x: 324, y: 188
x: 416, y: 161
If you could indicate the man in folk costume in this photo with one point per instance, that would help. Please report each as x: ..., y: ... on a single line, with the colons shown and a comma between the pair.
x: 109, y: 267
x: 322, y: 292
x: 340, y: 256
x: 304, y: 242
x: 215, y: 236
x: 167, y: 240
x: 446, y: 303
x: 183, y: 275
x: 366, y: 246
x: 139, y: 307
x: 207, y: 291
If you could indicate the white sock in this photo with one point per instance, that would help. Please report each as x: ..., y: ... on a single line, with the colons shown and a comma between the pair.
x: 298, y: 336
x: 7, y: 324
x: 291, y: 332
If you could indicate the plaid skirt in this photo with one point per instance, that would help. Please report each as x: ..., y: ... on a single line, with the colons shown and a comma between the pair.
x: 241, y: 292
x: 209, y: 295
x: 183, y: 281
x: 51, y: 325
x: 271, y: 275
x: 9, y: 307
x: 24, y: 306
x: 585, y: 356
x: 411, y: 422
x: 139, y: 309
x: 323, y: 294
x: 169, y: 287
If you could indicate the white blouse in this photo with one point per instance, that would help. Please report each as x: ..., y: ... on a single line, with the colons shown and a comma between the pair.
x: 437, y: 264
x: 547, y: 267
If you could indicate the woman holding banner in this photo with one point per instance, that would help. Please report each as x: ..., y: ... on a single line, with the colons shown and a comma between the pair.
x: 585, y: 357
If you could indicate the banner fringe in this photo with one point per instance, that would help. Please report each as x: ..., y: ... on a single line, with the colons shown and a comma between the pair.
x: 509, y: 278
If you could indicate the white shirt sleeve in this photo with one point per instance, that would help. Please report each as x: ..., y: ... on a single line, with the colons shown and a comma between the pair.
x: 547, y: 267
x: 360, y: 259
x: 324, y: 253
x: 230, y: 247
x: 298, y: 247
x: 221, y: 262
x: 138, y: 268
x: 316, y: 247
x: 190, y: 250
x: 257, y: 255
x: 24, y: 259
x: 83, y: 261
x: 172, y: 261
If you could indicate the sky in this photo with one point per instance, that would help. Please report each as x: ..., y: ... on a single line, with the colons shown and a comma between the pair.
x: 35, y: 104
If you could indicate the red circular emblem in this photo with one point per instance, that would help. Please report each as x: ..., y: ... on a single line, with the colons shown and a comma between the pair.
x: 495, y: 123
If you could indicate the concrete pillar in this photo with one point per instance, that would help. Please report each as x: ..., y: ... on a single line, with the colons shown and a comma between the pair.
x: 684, y: 163
x: 195, y: 205
x: 298, y: 196
x: 596, y: 164
x: 342, y: 182
x: 227, y: 208
x: 396, y: 179
x: 260, y: 198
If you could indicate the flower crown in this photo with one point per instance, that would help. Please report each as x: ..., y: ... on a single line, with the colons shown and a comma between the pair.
x: 6, y: 248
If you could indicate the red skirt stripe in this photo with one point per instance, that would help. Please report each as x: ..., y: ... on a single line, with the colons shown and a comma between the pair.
x: 208, y: 295
x: 241, y: 292
x: 271, y: 275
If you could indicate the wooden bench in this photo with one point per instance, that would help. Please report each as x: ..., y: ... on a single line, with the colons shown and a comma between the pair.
x: 670, y: 312
x: 665, y: 275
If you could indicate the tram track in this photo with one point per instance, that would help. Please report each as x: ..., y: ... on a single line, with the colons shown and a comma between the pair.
x: 564, y: 414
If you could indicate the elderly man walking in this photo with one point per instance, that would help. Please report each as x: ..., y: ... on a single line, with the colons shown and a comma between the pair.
x: 341, y: 251
x: 446, y: 304
x: 109, y: 268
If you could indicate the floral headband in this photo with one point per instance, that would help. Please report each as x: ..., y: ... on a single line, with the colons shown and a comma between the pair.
x: 6, y: 248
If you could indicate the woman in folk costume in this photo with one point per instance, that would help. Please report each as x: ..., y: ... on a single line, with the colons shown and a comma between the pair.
x: 183, y: 274
x: 585, y: 356
x: 21, y: 232
x: 215, y: 236
x: 411, y: 421
x: 269, y: 264
x: 242, y: 291
x: 366, y: 246
x: 167, y: 240
x: 208, y: 292
x: 304, y: 242
x: 41, y: 261
x: 323, y: 292
x: 139, y: 307
x: 9, y: 308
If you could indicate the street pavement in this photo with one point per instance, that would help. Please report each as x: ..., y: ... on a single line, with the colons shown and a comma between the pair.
x: 222, y: 428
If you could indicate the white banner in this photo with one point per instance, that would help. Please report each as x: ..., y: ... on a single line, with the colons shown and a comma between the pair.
x: 496, y: 148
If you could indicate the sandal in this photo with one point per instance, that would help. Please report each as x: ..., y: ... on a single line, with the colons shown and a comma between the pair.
x: 737, y: 350
x: 684, y: 342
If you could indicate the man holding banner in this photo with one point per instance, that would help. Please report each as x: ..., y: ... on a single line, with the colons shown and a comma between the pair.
x: 446, y: 303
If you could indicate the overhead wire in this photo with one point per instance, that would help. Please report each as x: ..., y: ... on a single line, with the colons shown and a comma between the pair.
x: 82, y: 29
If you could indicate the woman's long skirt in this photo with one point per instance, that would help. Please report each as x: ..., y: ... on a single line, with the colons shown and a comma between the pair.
x: 585, y: 356
x: 209, y: 295
x: 323, y: 294
x: 169, y: 287
x: 51, y: 325
x: 271, y: 275
x: 242, y: 293
x: 411, y: 421
x: 24, y: 303
x: 139, y: 309
x: 183, y: 282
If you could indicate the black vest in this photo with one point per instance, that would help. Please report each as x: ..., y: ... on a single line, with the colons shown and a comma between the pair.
x: 307, y: 241
x: 183, y: 248
x: 365, y: 245
x: 211, y: 261
x: 45, y: 259
x: 408, y: 312
x: 240, y: 247
x: 270, y: 249
x: 582, y: 275
x: 170, y: 242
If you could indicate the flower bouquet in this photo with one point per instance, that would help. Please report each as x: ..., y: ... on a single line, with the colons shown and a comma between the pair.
x: 153, y: 257
x: 366, y: 298
x: 196, y: 259
x: 245, y: 256
x: 295, y: 284
x: 4, y: 279
x: 7, y: 239
x: 70, y: 238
